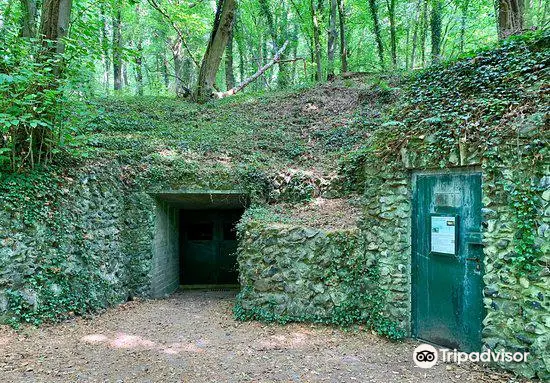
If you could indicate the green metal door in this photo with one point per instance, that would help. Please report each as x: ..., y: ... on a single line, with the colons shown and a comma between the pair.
x: 447, y: 260
x: 209, y: 244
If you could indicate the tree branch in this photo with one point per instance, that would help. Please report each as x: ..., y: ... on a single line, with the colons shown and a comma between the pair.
x: 156, y: 6
x: 252, y: 78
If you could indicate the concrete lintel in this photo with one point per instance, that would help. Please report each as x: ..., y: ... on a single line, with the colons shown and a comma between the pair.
x: 203, y: 199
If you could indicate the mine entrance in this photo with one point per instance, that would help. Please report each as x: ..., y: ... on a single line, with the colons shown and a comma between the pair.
x: 208, y: 247
x: 195, y: 242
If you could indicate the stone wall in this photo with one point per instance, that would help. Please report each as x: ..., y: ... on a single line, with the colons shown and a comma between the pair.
x: 283, y: 269
x: 71, y: 242
x: 76, y: 240
x: 386, y: 226
x: 516, y: 292
x: 292, y: 273
x: 517, y: 299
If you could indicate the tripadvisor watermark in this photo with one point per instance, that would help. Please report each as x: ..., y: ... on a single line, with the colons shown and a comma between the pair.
x: 426, y: 356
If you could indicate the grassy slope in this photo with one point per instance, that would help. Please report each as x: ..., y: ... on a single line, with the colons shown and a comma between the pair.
x: 318, y: 129
x: 272, y: 130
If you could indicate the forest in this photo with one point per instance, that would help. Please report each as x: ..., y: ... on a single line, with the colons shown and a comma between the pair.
x: 56, y: 54
x: 274, y: 191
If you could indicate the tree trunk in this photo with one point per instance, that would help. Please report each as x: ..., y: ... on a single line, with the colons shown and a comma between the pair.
x: 276, y: 38
x: 240, y: 49
x: 264, y: 6
x: 28, y: 22
x: 177, y: 55
x: 117, y: 50
x: 105, y: 50
x: 393, y: 35
x: 223, y: 24
x: 295, y: 37
x: 463, y: 19
x: 283, y: 72
x: 229, y: 75
x: 187, y: 74
x: 139, y: 68
x: 138, y: 61
x: 164, y: 70
x: 54, y: 24
x: 125, y: 74
x: 343, y: 44
x: 407, y: 40
x: 424, y: 27
x: 528, y: 9
x: 261, y: 58
x: 435, y: 26
x: 417, y: 22
x: 316, y: 41
x: 377, y: 34
x: 332, y: 36
x: 510, y: 17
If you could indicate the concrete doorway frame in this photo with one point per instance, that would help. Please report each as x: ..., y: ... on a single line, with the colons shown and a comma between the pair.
x: 165, y: 264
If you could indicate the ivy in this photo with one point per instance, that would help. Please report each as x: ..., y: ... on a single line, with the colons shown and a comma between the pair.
x: 55, y: 284
x: 350, y: 273
x: 469, y: 101
x: 524, y: 202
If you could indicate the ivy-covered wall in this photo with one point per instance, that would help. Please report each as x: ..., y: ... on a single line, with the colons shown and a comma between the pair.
x: 516, y: 197
x: 491, y: 112
x: 516, y: 214
x: 72, y: 242
x: 75, y: 239
x: 386, y: 226
x: 293, y: 273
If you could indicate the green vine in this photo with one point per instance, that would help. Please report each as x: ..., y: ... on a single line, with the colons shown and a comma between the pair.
x: 363, y: 301
x: 524, y: 201
x: 53, y: 284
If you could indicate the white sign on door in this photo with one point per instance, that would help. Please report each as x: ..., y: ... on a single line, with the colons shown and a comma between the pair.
x: 443, y: 235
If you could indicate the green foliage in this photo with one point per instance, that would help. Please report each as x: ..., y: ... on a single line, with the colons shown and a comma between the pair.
x: 524, y: 200
x: 259, y: 214
x: 477, y: 102
x: 60, y: 293
x: 56, y: 284
x: 255, y: 182
x: 349, y: 272
x: 16, y: 191
x: 36, y: 122
x: 522, y: 185
x: 29, y: 105
x: 352, y: 167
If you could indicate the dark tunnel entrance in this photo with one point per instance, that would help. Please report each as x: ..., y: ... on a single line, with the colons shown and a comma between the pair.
x: 195, y: 240
x: 208, y: 247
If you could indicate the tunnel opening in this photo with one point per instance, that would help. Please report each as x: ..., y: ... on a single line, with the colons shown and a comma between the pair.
x: 208, y: 247
x: 195, y: 240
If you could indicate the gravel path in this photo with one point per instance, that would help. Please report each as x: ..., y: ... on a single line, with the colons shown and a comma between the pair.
x: 192, y: 337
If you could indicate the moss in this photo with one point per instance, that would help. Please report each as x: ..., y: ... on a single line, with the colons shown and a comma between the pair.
x: 299, y: 274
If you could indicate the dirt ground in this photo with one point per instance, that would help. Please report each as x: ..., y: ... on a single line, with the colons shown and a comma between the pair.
x: 192, y: 337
